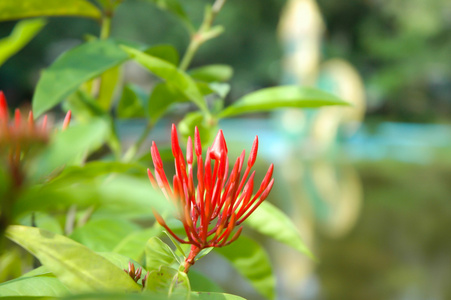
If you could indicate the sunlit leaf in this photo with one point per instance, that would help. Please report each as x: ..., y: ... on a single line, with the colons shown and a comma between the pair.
x: 212, y: 73
x: 71, y: 69
x: 281, y: 97
x: 76, y: 266
x: 108, y: 83
x: 251, y: 261
x: 171, y: 74
x: 170, y: 282
x: 22, y: 33
x: 103, y: 234
x: 13, y: 9
x: 49, y: 286
x: 158, y: 254
x: 269, y: 220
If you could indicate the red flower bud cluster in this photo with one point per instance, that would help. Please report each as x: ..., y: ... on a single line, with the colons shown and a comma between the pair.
x: 220, y: 202
x: 18, y: 134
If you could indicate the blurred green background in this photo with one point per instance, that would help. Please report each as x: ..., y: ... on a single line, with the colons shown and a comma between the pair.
x: 373, y: 204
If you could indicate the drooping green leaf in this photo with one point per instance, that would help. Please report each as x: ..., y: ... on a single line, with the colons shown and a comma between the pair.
x: 164, y: 52
x: 170, y: 282
x: 71, y: 69
x: 175, y: 8
x: 251, y: 261
x: 133, y: 245
x: 48, y: 286
x: 130, y: 105
x: 76, y: 266
x: 158, y: 254
x: 281, y: 97
x: 68, y: 145
x: 214, y: 296
x: 13, y: 10
x: 103, y: 234
x: 269, y: 220
x: 22, y: 33
x: 212, y: 73
x: 171, y: 74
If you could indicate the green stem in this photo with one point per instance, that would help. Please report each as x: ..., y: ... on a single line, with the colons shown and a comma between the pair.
x: 106, y: 26
x: 201, y: 36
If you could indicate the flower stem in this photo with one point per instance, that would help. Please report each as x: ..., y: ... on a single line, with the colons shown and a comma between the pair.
x: 189, y: 261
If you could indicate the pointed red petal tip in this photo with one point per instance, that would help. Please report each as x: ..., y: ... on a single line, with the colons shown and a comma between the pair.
x: 253, y: 154
x: 158, y: 163
x: 17, y: 118
x: 67, y: 120
x: 219, y: 146
x: 189, y: 151
x: 3, y: 106
x: 175, y: 141
x: 197, y: 143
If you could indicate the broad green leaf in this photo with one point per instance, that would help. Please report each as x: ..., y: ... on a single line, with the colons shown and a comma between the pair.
x: 134, y: 244
x: 164, y: 52
x: 269, y: 220
x: 71, y: 69
x: 212, y: 73
x: 103, y: 234
x: 39, y: 271
x: 118, y: 296
x: 130, y: 105
x: 251, y: 261
x: 171, y: 74
x: 281, y: 97
x: 169, y: 281
x: 75, y: 141
x: 33, y: 286
x: 175, y: 8
x: 22, y: 33
x: 13, y: 9
x: 158, y: 254
x: 202, y: 283
x: 76, y: 266
x: 108, y: 83
x: 213, y: 296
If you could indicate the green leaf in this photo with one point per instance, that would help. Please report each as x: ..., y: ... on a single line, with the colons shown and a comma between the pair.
x: 158, y: 254
x: 44, y: 221
x: 134, y: 244
x: 122, y: 261
x: 22, y: 33
x: 75, y: 141
x: 13, y: 10
x: 281, y: 97
x: 212, y: 73
x: 175, y: 8
x: 162, y: 96
x: 190, y: 121
x: 71, y: 69
x: 269, y: 220
x: 214, y: 296
x: 171, y: 74
x: 130, y: 105
x: 76, y: 266
x: 202, y: 283
x: 169, y: 281
x: 108, y: 83
x: 164, y: 52
x: 33, y: 286
x: 251, y: 261
x: 103, y: 234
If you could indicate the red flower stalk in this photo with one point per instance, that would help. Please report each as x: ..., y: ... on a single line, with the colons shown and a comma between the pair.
x: 17, y: 135
x: 211, y: 211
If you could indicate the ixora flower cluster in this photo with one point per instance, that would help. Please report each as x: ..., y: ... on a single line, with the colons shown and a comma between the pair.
x: 211, y: 211
x: 17, y: 135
